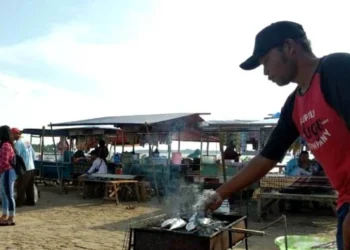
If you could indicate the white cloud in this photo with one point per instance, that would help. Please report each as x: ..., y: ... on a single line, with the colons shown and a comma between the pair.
x: 183, y: 57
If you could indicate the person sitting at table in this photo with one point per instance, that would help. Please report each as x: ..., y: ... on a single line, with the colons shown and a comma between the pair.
x: 79, y: 156
x: 102, y: 150
x: 230, y: 153
x: 98, y: 166
x: 300, y: 166
x: 155, y: 153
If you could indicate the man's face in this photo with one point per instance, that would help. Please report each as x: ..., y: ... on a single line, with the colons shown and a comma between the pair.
x: 304, y: 158
x: 16, y: 135
x: 279, y: 66
x: 93, y: 157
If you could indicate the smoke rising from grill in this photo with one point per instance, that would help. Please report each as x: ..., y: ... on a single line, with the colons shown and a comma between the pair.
x: 183, y: 200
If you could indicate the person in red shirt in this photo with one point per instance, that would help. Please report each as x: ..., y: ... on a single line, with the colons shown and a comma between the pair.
x: 7, y: 177
x: 318, y: 110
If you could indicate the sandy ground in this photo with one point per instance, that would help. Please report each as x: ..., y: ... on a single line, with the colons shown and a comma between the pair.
x: 70, y: 222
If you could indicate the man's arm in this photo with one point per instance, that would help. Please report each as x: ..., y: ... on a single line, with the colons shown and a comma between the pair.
x: 335, y: 84
x: 20, y: 148
x: 280, y: 140
x: 93, y: 167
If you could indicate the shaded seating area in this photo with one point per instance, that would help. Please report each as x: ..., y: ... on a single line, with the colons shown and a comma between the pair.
x: 280, y: 188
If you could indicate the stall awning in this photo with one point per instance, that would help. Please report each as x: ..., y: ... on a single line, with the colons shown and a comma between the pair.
x: 120, y: 121
x: 81, y: 130
x: 237, y: 125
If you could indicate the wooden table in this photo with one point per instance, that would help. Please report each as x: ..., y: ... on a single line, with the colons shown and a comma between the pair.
x: 274, y: 188
x: 113, y: 185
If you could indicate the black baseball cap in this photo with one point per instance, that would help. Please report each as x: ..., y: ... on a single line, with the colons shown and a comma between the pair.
x: 270, y: 37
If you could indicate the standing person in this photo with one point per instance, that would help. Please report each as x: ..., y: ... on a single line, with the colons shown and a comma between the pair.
x: 25, y: 183
x: 318, y: 110
x: 7, y: 178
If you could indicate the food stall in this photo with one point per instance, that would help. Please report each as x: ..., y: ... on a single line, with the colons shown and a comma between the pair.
x: 241, y: 133
x: 151, y: 130
x: 54, y: 163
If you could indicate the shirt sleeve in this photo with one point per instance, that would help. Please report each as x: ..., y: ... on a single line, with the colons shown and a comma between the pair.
x: 20, y: 148
x: 335, y: 84
x: 32, y: 152
x: 5, y: 156
x: 284, y: 134
x: 93, y: 167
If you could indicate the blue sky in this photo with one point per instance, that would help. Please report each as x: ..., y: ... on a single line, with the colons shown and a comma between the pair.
x: 99, y: 22
x: 66, y: 60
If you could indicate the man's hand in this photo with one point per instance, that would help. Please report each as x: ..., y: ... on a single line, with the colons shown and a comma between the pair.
x: 215, y: 203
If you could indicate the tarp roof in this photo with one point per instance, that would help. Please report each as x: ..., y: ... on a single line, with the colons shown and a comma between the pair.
x: 237, y: 125
x: 65, y: 131
x: 121, y: 121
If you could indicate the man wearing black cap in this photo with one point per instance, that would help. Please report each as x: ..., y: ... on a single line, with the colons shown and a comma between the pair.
x: 318, y: 110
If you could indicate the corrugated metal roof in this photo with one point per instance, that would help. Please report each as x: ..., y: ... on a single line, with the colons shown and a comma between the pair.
x: 47, y: 132
x: 217, y: 122
x: 64, y: 131
x: 237, y: 125
x: 129, y: 120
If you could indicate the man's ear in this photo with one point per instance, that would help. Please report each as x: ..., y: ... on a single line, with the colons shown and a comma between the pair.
x: 289, y: 47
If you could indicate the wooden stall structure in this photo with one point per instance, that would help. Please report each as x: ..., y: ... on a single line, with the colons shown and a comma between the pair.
x: 57, y: 167
x: 152, y: 130
x: 48, y: 171
x: 277, y: 189
x: 240, y: 132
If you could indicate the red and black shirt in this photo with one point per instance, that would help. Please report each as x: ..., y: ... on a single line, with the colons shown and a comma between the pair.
x: 321, y: 116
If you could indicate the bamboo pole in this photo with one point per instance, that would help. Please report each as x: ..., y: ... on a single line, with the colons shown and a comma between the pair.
x: 222, y: 155
x: 152, y: 164
x: 201, y: 156
x: 208, y: 144
x: 169, y: 148
x: 42, y: 148
x: 56, y: 161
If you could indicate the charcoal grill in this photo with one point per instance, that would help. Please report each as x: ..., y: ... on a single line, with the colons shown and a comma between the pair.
x: 149, y: 237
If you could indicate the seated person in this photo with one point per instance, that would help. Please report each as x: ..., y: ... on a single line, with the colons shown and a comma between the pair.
x: 155, y: 153
x: 230, y: 153
x: 102, y: 150
x: 300, y: 166
x: 98, y: 165
x: 79, y: 156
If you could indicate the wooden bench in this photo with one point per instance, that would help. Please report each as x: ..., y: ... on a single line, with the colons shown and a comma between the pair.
x: 271, y: 185
x: 111, y: 187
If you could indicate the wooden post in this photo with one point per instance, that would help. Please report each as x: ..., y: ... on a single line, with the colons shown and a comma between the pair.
x: 152, y: 164
x: 115, y: 142
x: 169, y: 147
x: 201, y: 157
x: 123, y: 141
x: 42, y: 146
x: 208, y: 144
x: 55, y: 151
x: 222, y: 154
